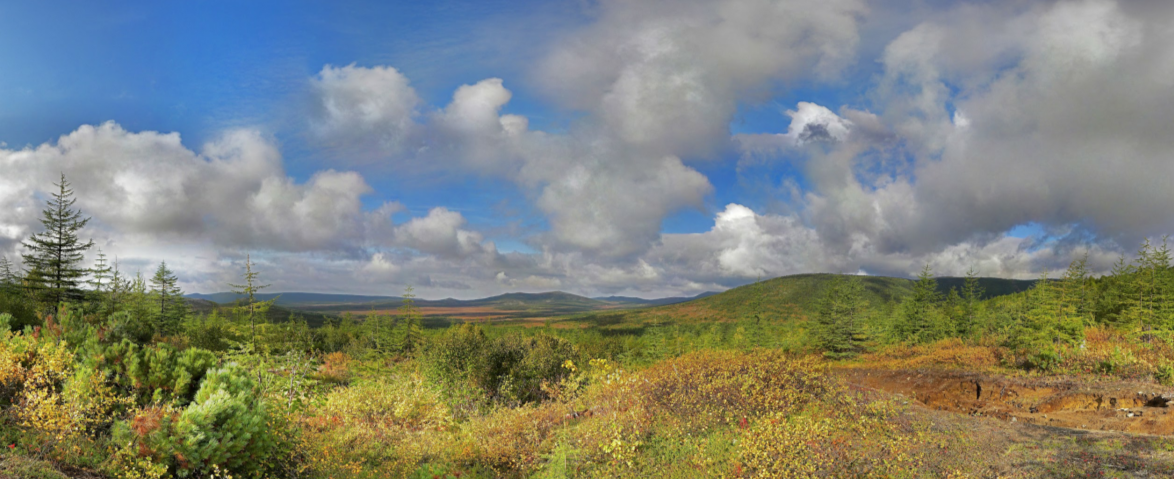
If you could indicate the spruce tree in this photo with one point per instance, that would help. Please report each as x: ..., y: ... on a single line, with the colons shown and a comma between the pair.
x: 136, y: 310
x: 9, y: 279
x: 119, y: 287
x: 1047, y: 322
x: 840, y: 317
x: 921, y: 320
x: 411, y: 330
x: 100, y: 273
x: 169, y: 298
x: 972, y: 293
x: 100, y: 281
x: 1117, y: 305
x: 55, y: 256
x: 1154, y: 281
x: 1075, y: 300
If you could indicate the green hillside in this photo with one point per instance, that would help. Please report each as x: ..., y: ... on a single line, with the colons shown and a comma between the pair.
x: 783, y: 298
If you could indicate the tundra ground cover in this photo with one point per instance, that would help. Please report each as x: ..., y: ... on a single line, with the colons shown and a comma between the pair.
x: 125, y: 380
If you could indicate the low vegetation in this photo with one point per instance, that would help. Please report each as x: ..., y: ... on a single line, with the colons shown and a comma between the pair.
x: 105, y: 375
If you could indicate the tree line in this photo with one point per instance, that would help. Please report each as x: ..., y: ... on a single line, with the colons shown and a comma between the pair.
x: 1138, y: 295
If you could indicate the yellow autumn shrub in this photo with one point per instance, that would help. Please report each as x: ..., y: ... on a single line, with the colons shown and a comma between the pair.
x: 379, y: 428
x: 848, y: 439
x: 710, y: 388
x: 58, y: 405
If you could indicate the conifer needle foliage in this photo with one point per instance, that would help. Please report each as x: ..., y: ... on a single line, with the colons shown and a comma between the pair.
x: 54, y: 257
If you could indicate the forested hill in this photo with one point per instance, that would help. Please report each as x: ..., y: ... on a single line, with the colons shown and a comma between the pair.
x: 789, y: 296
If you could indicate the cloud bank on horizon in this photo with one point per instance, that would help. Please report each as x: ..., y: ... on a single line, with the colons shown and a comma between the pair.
x: 954, y: 127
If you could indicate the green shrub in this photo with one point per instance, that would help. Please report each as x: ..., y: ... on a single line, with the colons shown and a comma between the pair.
x: 516, y: 366
x: 226, y: 426
x: 212, y: 332
x: 137, y: 328
x: 22, y: 311
x: 1046, y: 360
x: 1165, y: 374
x: 510, y: 369
x: 157, y: 373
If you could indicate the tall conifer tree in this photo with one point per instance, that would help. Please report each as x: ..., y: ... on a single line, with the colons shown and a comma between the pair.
x: 1119, y: 300
x: 921, y: 319
x: 101, y: 281
x: 1076, y: 303
x: 972, y: 293
x: 411, y: 329
x: 840, y: 317
x: 171, y: 306
x: 101, y: 272
x: 55, y: 256
x: 249, y: 290
x: 9, y: 279
x: 119, y: 286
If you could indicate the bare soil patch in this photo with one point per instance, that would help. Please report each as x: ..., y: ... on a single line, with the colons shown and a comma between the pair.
x: 1134, y: 407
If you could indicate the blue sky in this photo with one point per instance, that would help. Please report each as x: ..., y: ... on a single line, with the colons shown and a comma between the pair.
x: 199, y: 68
x: 664, y: 149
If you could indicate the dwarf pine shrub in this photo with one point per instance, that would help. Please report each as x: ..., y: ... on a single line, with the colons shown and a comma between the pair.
x: 159, y: 372
x: 226, y: 426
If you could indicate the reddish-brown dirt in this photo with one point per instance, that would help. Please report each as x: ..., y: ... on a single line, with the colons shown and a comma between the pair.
x: 1141, y: 408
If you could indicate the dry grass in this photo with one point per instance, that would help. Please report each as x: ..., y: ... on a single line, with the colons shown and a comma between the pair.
x: 950, y: 353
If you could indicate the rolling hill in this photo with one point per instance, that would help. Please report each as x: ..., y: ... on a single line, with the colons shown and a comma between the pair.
x: 783, y: 298
x: 779, y: 298
x: 641, y: 302
x: 512, y: 305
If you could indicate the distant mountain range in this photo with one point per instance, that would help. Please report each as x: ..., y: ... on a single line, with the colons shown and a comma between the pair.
x: 652, y: 302
x: 787, y: 296
x: 290, y: 299
x: 549, y: 303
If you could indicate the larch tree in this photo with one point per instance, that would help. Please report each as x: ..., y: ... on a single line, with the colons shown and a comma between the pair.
x: 249, y: 289
x: 55, y: 256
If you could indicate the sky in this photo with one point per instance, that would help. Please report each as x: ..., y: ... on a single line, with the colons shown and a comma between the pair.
x: 618, y: 147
